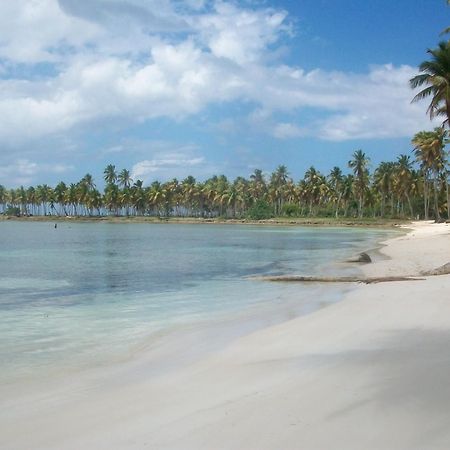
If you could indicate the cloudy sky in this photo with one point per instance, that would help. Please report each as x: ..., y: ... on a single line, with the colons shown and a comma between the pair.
x: 168, y: 88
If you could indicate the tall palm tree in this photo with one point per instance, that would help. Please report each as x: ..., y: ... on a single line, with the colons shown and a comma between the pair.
x: 23, y: 198
x: 71, y: 198
x: 278, y: 180
x: 359, y: 164
x: 44, y: 195
x: 336, y: 181
x: 137, y: 197
x: 436, y: 77
x: 429, y: 152
x: 383, y: 178
x: 312, y: 183
x: 60, y: 196
x: 404, y: 179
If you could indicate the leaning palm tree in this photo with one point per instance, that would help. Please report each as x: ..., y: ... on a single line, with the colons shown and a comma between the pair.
x: 435, y: 77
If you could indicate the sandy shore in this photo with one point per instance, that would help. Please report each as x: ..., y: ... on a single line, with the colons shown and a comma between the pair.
x: 370, y: 372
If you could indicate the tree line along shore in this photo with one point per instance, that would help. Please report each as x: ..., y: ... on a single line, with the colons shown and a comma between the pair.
x: 403, y: 189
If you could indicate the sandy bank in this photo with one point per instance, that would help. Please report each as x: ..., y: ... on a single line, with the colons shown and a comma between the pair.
x: 370, y: 372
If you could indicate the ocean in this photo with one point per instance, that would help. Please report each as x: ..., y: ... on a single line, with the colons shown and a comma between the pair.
x: 84, y: 294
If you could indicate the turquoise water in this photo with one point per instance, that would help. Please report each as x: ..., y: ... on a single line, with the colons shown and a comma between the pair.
x: 81, y: 293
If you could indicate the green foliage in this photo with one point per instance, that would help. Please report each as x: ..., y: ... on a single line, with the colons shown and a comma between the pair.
x: 260, y: 210
x: 12, y: 211
x: 290, y: 210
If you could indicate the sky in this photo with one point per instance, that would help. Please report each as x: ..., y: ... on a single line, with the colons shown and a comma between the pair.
x: 171, y: 88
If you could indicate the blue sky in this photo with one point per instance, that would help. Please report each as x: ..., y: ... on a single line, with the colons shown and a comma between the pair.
x: 169, y: 88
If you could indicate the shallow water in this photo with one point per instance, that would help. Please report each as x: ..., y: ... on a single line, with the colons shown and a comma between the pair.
x: 84, y: 293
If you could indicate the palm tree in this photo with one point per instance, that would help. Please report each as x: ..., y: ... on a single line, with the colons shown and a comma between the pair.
x: 278, y: 181
x: 157, y: 197
x: 436, y: 77
x: 94, y: 201
x: 124, y: 178
x: 71, y: 197
x: 60, y: 196
x: 404, y: 179
x: 138, y: 199
x: 429, y: 152
x: 359, y: 165
x: 32, y: 199
x: 23, y: 199
x: 257, y: 185
x: 44, y: 195
x: 109, y: 174
x: 336, y: 179
x: 383, y: 178
x: 111, y: 198
x: 88, y: 181
x: 312, y: 183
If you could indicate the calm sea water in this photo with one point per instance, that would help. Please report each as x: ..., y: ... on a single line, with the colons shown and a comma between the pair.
x: 82, y: 292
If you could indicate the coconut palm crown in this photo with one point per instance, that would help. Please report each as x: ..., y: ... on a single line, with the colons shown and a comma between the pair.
x: 435, y: 76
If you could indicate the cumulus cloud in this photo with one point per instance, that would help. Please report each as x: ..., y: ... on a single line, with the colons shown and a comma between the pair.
x: 136, y: 60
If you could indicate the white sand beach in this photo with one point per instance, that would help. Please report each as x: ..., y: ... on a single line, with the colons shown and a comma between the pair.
x: 369, y: 372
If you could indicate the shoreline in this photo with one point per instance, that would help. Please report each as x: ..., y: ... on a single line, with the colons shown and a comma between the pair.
x: 280, y: 221
x: 369, y: 371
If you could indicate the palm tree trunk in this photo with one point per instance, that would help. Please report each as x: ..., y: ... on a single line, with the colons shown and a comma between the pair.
x: 448, y: 198
x: 436, y: 202
x: 410, y: 206
x: 425, y: 197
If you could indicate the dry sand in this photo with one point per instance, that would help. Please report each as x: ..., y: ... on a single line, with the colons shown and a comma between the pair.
x: 370, y: 372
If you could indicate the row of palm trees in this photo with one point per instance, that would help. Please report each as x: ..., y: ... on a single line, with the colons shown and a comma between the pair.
x: 407, y: 187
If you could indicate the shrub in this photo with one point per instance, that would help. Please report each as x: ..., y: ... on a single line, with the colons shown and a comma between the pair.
x: 260, y: 210
x: 290, y: 210
x: 12, y: 211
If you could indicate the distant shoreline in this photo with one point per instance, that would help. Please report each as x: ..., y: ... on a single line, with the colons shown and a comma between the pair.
x: 281, y: 221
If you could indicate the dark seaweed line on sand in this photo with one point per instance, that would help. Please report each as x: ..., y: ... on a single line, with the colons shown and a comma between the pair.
x: 366, y: 280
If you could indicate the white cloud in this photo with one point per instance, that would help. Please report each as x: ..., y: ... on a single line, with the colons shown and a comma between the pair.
x: 240, y: 35
x: 113, y: 59
x: 23, y: 171
x: 167, y: 166
x: 36, y: 31
x: 287, y: 131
